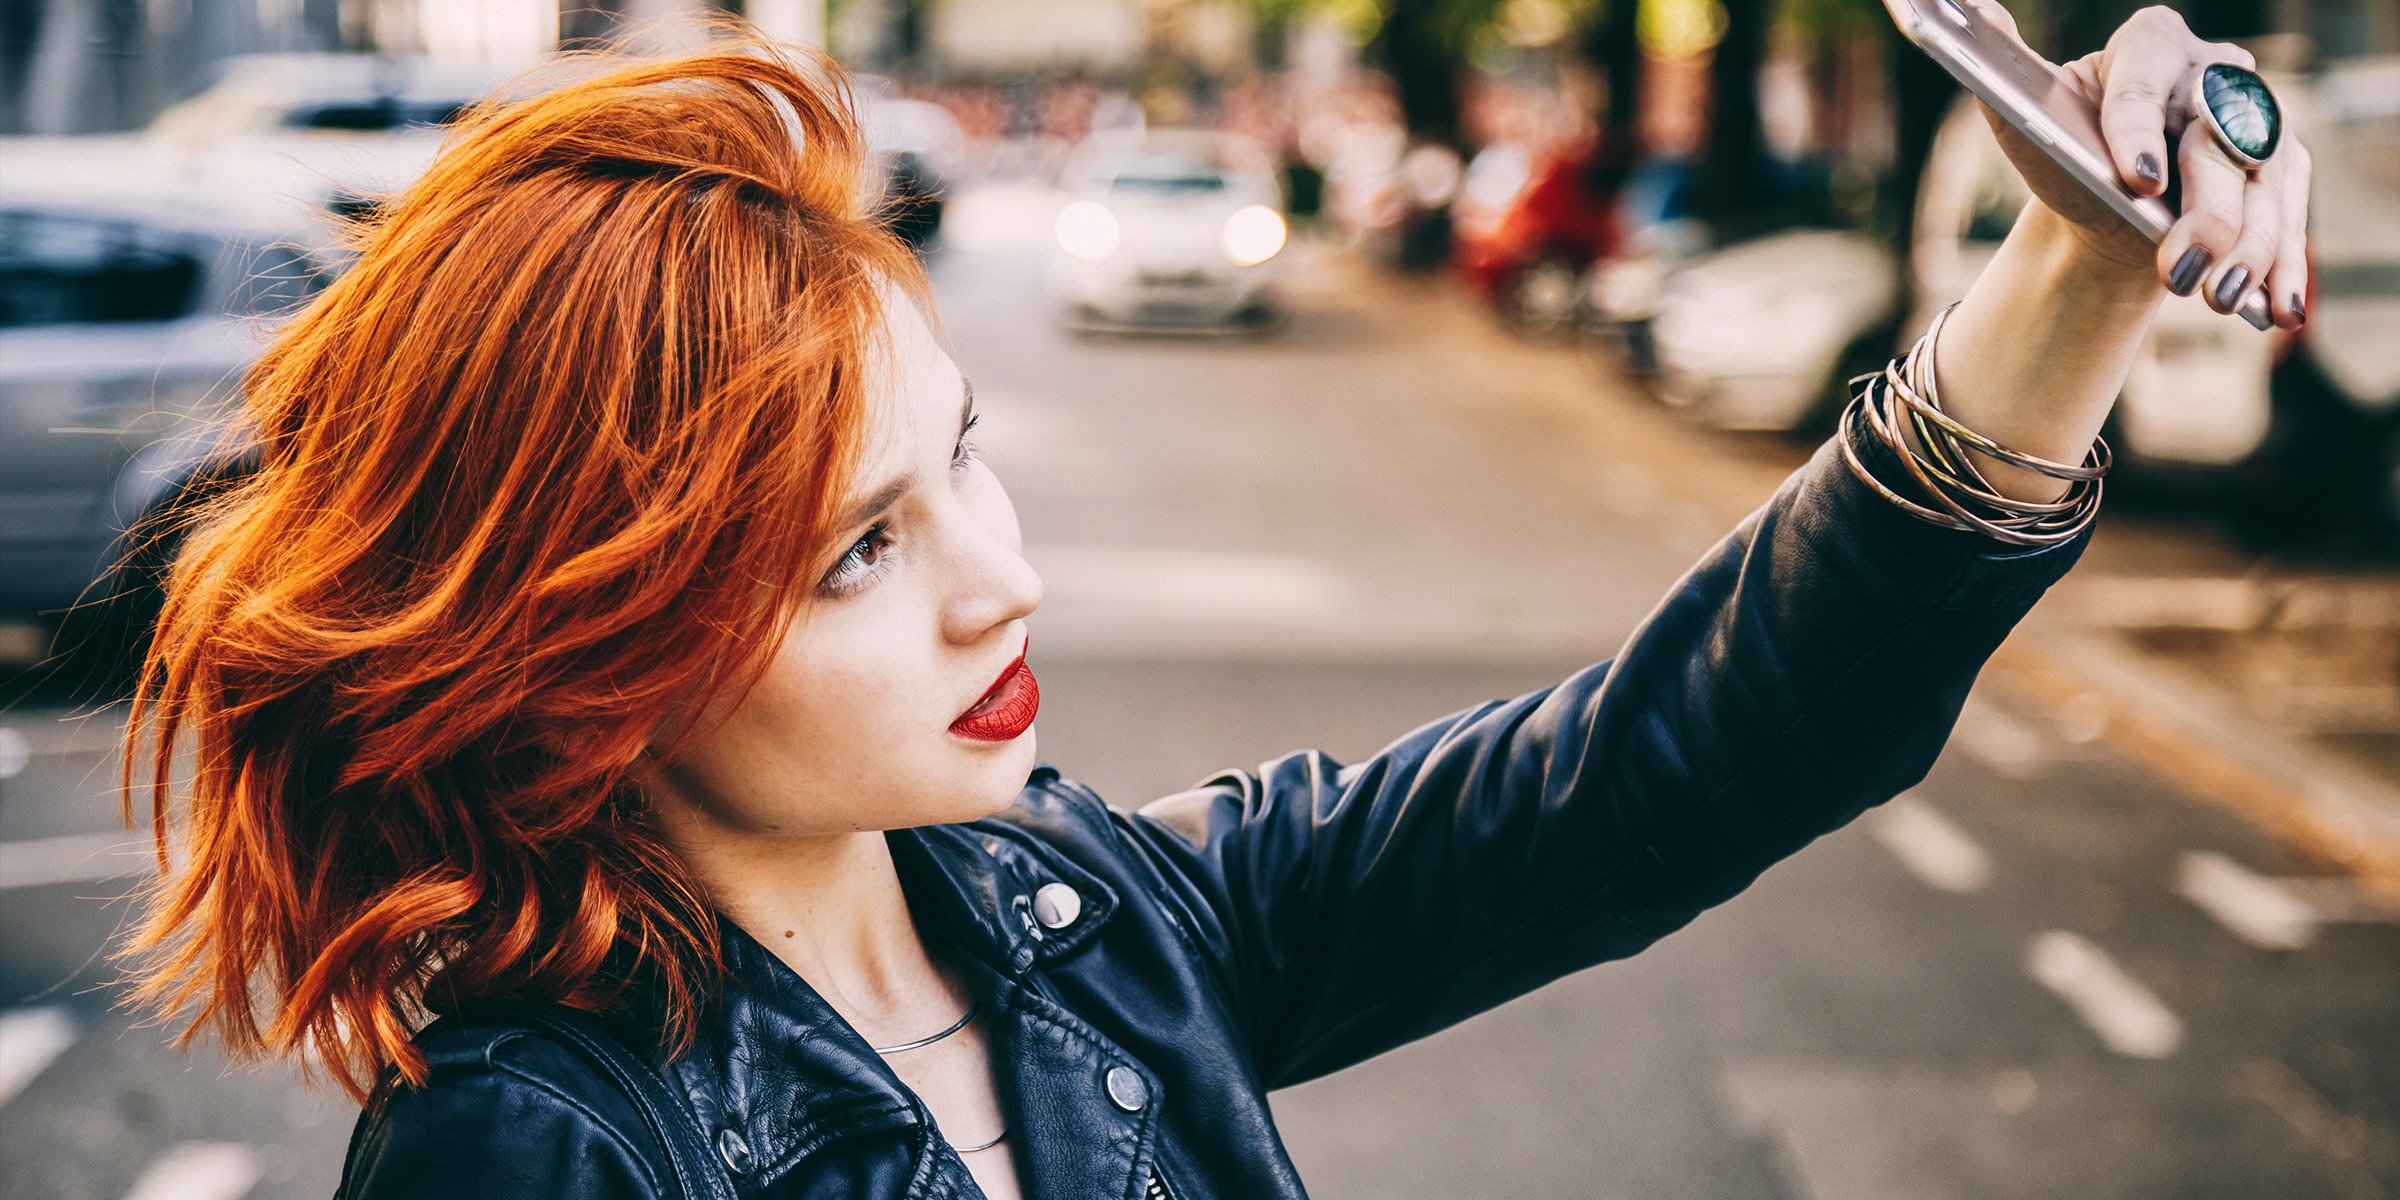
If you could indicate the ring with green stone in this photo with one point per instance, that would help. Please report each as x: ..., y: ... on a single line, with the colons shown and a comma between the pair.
x: 2239, y: 110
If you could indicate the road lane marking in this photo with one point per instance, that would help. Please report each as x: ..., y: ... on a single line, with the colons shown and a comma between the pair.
x: 199, y: 1171
x: 2278, y: 912
x: 2254, y: 908
x: 2004, y: 745
x: 29, y: 1039
x: 75, y: 858
x: 1934, y: 850
x: 2128, y: 1017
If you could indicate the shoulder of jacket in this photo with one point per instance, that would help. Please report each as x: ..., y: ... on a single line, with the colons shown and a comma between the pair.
x: 490, y: 1064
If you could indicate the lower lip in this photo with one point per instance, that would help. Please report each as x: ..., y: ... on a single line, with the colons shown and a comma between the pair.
x: 1008, y: 713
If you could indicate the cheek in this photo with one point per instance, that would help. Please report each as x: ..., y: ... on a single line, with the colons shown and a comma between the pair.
x: 848, y: 698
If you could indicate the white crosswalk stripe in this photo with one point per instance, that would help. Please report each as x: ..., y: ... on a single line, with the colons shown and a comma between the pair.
x: 1935, y: 851
x: 2256, y: 909
x: 2001, y: 743
x: 199, y: 1171
x: 2128, y: 1017
x: 2278, y: 912
x: 29, y: 1039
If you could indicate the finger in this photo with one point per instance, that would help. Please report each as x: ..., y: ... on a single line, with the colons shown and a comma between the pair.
x: 2287, y: 280
x: 2211, y: 220
x: 2244, y: 266
x: 2137, y: 77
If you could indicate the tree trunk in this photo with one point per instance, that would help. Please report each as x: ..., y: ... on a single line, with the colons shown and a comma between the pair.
x: 1614, y: 49
x: 1730, y: 193
x: 1424, y: 65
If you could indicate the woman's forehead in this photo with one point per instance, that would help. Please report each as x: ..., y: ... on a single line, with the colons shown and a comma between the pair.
x: 914, y: 389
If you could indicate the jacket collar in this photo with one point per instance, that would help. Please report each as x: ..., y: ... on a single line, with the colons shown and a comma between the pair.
x: 977, y: 884
x: 780, y: 1073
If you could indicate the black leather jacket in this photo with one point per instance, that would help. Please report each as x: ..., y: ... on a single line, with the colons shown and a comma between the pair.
x: 1268, y: 927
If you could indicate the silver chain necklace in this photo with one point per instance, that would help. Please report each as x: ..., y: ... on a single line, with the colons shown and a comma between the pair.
x: 955, y: 1026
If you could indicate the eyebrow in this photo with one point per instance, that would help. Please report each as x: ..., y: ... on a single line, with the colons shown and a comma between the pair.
x: 889, y: 494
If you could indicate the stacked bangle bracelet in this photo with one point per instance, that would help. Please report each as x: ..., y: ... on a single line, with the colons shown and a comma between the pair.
x: 1961, y: 498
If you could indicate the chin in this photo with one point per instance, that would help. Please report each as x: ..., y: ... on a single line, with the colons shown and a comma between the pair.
x: 998, y: 779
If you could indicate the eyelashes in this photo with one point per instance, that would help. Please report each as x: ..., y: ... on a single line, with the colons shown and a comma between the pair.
x: 966, y: 452
x: 870, y: 555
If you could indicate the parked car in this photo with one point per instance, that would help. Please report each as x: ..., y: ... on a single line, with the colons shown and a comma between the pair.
x: 336, y: 94
x: 1618, y: 295
x: 1175, y: 229
x: 125, y: 324
x: 1753, y: 335
x: 1528, y: 223
x: 335, y: 134
x: 917, y: 149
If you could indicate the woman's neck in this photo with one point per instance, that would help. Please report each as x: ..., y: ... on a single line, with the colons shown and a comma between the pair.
x: 831, y: 907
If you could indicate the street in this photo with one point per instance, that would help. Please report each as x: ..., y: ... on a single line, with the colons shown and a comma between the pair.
x: 2051, y: 971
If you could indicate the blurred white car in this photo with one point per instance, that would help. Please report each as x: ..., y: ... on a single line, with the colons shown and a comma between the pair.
x: 1751, y: 336
x: 1176, y: 228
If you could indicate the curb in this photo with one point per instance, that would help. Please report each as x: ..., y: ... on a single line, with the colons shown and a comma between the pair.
x: 2306, y: 795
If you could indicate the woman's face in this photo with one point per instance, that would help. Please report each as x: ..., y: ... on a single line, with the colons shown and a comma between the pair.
x: 852, y: 727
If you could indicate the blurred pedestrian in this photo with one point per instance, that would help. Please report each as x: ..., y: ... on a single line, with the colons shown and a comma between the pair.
x: 621, y: 659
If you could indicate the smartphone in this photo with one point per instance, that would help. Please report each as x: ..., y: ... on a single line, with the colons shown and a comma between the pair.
x: 2041, y: 102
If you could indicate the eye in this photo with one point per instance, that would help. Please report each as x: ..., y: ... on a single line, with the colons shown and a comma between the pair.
x: 966, y: 452
x: 862, y: 562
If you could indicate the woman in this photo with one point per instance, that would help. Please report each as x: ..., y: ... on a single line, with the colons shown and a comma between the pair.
x: 622, y: 625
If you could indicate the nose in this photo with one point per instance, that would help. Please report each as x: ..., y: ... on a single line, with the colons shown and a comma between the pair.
x: 993, y: 584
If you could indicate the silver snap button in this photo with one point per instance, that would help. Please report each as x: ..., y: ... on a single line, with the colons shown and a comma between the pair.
x: 735, y: 1151
x: 1056, y: 905
x: 1126, y: 1089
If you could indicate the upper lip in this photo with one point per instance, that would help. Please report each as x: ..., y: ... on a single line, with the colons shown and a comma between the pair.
x: 1006, y: 673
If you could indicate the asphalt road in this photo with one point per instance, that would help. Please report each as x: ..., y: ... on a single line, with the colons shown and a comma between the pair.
x: 2044, y: 973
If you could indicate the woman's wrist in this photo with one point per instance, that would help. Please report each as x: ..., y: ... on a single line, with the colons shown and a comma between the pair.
x: 2036, y: 353
x: 2109, y: 274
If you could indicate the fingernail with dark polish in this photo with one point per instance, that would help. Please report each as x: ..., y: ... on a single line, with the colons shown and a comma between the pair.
x: 2146, y: 166
x: 2299, y: 310
x: 2188, y: 271
x: 2229, y: 289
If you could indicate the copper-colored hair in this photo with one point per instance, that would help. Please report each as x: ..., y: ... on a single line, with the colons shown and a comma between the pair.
x: 559, y: 452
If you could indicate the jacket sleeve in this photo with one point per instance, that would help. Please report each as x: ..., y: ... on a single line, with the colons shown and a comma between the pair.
x: 518, y: 1119
x: 1809, y: 667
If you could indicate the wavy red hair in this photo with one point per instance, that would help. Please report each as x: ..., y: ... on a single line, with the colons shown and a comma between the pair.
x: 558, y: 452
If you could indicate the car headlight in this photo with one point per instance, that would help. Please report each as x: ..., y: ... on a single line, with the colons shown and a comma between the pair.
x: 1253, y: 235
x: 1087, y: 230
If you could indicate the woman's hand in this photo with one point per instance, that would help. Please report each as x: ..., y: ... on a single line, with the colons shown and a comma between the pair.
x: 2238, y: 231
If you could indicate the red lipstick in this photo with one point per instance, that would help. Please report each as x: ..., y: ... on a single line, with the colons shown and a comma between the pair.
x: 1006, y: 710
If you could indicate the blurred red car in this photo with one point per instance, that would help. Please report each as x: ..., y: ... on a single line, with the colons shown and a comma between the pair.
x: 1529, y: 222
